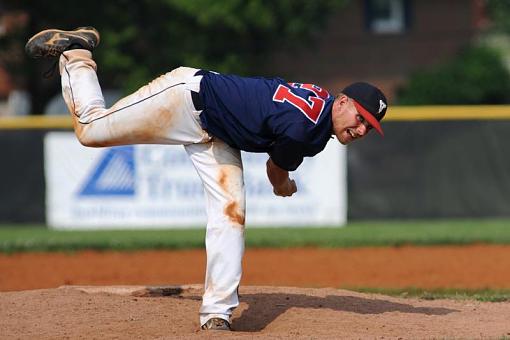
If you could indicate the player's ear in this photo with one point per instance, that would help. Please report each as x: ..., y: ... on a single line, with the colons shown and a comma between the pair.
x: 341, y: 100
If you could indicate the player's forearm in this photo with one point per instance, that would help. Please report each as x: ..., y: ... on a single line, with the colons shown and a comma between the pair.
x: 276, y: 175
x: 279, y: 178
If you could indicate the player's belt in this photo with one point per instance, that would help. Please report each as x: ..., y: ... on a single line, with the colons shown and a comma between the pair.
x: 201, y: 73
x: 195, y: 96
x: 197, y: 102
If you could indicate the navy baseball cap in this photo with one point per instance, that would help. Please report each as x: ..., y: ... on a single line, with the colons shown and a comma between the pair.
x: 369, y: 101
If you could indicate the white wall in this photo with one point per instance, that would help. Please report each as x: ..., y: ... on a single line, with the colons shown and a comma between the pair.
x: 156, y: 186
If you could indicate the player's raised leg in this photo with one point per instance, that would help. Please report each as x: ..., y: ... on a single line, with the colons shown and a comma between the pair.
x: 160, y: 112
x: 220, y: 168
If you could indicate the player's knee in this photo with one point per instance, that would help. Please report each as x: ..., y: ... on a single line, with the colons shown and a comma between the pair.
x: 86, y: 139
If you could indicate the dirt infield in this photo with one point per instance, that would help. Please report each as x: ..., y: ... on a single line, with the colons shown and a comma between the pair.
x: 266, y: 310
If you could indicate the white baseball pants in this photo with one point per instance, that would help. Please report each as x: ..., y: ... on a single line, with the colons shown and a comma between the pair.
x: 162, y: 112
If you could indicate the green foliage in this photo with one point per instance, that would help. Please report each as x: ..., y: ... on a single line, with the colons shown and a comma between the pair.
x: 476, y: 76
x: 143, y: 39
x: 499, y: 11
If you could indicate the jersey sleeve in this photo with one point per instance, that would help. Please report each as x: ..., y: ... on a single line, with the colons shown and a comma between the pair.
x: 287, y: 153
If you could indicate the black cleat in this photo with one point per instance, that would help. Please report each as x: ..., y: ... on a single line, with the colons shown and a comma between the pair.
x: 216, y: 324
x: 52, y: 42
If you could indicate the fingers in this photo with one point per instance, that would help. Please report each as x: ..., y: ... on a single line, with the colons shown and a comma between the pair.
x: 293, y: 186
x: 286, y: 190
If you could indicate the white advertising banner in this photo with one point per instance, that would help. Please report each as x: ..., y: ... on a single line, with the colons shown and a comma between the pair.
x: 156, y: 186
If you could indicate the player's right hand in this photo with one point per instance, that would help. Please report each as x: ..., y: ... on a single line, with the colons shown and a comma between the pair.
x: 288, y: 188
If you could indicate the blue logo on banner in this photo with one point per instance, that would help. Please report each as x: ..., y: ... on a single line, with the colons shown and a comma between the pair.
x: 114, y: 175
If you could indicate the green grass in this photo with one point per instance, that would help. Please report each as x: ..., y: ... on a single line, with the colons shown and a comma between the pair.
x: 485, y: 295
x: 393, y: 233
x: 33, y: 238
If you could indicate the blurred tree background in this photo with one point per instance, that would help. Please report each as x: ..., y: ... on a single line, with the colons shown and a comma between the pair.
x: 499, y: 12
x: 145, y: 38
x: 478, y: 75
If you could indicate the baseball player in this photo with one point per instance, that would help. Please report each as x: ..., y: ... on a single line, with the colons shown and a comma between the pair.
x: 214, y: 116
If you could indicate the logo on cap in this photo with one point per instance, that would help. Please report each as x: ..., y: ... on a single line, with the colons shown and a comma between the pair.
x: 382, y: 106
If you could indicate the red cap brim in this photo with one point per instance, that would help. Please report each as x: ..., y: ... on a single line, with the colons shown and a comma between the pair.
x: 368, y: 117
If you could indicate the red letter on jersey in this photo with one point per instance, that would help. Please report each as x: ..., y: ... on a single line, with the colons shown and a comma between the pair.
x: 311, y: 108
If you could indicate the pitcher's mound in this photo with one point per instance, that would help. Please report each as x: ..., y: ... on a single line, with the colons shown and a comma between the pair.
x: 130, y: 312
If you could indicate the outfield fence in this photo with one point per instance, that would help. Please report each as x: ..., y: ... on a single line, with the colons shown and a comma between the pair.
x: 434, y: 162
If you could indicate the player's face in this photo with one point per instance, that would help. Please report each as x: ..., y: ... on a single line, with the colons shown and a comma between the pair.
x: 348, y: 124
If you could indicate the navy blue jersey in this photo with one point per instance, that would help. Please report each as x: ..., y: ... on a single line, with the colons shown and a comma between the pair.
x: 288, y: 121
